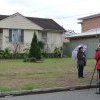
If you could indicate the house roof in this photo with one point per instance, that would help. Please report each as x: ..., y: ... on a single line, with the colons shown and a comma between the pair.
x: 88, y: 17
x: 3, y: 16
x: 46, y: 24
x: 95, y: 31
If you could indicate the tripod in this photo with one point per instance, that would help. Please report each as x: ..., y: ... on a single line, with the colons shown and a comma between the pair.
x: 92, y: 77
x: 98, y: 81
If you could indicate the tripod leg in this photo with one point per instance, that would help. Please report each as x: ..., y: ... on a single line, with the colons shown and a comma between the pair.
x: 98, y: 82
x: 92, y: 77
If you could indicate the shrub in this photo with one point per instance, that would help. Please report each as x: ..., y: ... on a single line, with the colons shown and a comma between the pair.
x: 41, y: 45
x: 1, y: 54
x: 57, y: 52
x: 35, y: 51
x: 6, y: 53
x: 29, y: 59
x: 18, y: 55
x: 26, y: 52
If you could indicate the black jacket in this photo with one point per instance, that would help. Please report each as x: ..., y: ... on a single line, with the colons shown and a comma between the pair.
x: 81, y: 58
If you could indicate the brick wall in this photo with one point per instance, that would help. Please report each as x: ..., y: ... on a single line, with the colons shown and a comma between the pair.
x: 91, y: 23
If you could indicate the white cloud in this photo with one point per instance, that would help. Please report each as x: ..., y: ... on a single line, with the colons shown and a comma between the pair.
x: 65, y: 12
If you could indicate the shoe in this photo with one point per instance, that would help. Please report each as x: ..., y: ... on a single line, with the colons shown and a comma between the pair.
x: 97, y: 92
x: 83, y: 77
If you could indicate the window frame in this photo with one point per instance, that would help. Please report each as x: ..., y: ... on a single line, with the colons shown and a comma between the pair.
x: 18, y: 38
x: 44, y: 37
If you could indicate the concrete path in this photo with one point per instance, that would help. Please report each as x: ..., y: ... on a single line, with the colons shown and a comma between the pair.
x: 66, y: 95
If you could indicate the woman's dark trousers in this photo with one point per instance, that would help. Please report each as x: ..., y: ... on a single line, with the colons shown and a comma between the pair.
x: 80, y: 71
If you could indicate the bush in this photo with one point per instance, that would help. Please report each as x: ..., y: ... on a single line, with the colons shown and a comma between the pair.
x: 26, y: 52
x: 6, y: 53
x: 35, y: 51
x: 18, y: 55
x: 1, y: 54
x: 41, y: 45
x: 29, y: 59
x: 56, y: 54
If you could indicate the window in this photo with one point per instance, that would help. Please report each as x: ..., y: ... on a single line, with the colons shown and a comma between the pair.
x: 16, y: 35
x: 44, y: 37
x: 1, y: 30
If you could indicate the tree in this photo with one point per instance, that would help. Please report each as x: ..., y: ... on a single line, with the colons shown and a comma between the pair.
x: 35, y: 51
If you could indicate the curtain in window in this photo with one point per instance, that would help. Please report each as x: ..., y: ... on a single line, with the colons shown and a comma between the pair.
x: 22, y: 35
x: 10, y: 35
x: 16, y: 35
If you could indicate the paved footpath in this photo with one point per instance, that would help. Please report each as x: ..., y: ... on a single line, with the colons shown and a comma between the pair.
x: 66, y: 95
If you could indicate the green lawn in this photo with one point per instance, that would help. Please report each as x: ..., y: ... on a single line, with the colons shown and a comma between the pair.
x: 61, y: 72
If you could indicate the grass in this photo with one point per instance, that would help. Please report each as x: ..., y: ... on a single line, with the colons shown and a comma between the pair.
x: 19, y: 75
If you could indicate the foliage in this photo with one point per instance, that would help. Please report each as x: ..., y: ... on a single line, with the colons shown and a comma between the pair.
x: 26, y: 52
x: 32, y: 59
x: 48, y: 55
x: 17, y: 55
x: 41, y: 45
x: 57, y: 52
x: 35, y: 51
x: 6, y: 53
x: 1, y: 53
x: 17, y: 47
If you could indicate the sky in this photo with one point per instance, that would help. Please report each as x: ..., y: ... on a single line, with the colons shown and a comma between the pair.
x: 64, y: 12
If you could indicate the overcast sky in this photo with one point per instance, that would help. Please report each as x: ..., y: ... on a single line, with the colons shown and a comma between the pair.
x: 64, y: 12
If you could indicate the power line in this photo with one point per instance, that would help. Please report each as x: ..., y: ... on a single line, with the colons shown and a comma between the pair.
x: 66, y: 17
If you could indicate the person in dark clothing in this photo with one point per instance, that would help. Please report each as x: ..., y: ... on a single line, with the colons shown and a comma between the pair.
x: 81, y: 62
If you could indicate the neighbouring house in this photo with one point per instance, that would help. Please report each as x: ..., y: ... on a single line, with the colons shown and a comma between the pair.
x: 19, y: 29
x: 89, y: 22
x: 68, y: 32
x: 90, y: 35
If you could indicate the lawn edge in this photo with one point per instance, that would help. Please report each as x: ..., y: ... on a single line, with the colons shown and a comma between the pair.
x: 47, y: 90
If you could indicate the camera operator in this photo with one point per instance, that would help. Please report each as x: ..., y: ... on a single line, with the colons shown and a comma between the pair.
x: 97, y: 57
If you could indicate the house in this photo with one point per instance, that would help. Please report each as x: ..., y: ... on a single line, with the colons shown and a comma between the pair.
x: 90, y: 35
x: 90, y: 22
x: 19, y: 29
